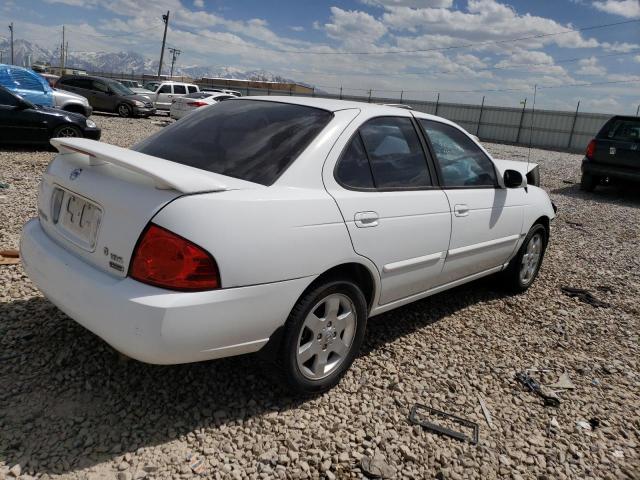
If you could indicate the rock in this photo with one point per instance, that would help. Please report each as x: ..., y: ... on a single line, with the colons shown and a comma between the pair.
x: 16, y: 470
x: 124, y: 476
x: 377, y: 467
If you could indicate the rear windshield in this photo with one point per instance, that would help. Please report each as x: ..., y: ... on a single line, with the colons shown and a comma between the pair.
x: 248, y: 139
x: 625, y: 129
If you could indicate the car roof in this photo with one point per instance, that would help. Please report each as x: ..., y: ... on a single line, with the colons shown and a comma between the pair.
x: 334, y: 105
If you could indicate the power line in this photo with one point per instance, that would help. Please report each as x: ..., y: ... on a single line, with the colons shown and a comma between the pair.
x: 434, y: 49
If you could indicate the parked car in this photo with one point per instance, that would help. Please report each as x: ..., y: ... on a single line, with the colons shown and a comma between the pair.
x: 166, y: 92
x: 107, y: 95
x: 130, y: 83
x: 22, y: 122
x: 614, y: 154
x: 26, y: 83
x: 235, y: 93
x: 152, y: 85
x: 49, y: 77
x: 183, y: 105
x: 71, y: 102
x: 277, y: 224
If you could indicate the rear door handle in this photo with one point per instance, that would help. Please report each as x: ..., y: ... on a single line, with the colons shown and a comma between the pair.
x: 461, y: 210
x: 366, y: 219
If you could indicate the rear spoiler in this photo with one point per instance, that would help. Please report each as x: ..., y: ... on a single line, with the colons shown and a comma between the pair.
x: 167, y: 175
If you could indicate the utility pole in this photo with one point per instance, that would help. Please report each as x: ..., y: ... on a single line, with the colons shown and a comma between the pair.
x: 165, y: 19
x: 62, y: 53
x: 174, y: 54
x: 11, y: 30
x: 66, y: 53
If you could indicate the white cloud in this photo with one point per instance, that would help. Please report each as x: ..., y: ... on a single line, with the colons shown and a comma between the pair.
x: 623, y: 8
x: 354, y: 28
x: 198, y: 3
x: 409, y: 3
x: 589, y: 66
x: 637, y: 58
x: 297, y: 28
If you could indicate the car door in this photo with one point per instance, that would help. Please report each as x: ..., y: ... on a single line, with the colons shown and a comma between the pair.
x: 396, y: 216
x: 20, y: 125
x: 486, y: 220
x: 164, y: 97
x: 103, y: 97
x: 619, y: 144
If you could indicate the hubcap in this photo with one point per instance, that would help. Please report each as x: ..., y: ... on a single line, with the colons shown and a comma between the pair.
x: 124, y: 110
x: 67, y: 132
x: 326, y: 336
x: 531, y: 259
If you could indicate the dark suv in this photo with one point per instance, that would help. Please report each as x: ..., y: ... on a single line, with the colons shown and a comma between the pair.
x: 614, y: 154
x: 107, y: 95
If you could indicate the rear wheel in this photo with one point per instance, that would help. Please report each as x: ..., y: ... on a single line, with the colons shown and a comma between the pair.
x: 588, y: 182
x: 322, y: 337
x: 124, y: 110
x: 67, y: 131
x: 524, y: 267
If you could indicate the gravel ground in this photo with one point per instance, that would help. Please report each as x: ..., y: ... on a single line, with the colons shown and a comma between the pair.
x: 72, y: 407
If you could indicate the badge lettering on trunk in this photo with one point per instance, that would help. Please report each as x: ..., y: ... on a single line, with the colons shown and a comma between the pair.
x: 612, y: 150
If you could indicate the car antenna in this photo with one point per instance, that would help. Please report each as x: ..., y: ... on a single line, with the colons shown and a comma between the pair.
x: 533, y: 113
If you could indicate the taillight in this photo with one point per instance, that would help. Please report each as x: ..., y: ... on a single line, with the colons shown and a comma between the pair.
x: 167, y: 260
x: 591, y: 149
x: 197, y: 104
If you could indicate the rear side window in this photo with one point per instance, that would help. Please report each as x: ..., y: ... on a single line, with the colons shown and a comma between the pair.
x: 179, y: 89
x: 395, y: 153
x: 248, y: 139
x: 353, y: 169
x: 624, y: 130
x: 192, y: 89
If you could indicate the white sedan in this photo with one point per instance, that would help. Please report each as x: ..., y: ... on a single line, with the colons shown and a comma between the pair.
x: 277, y: 224
x: 186, y: 104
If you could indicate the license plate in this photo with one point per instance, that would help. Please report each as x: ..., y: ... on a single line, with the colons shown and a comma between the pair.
x: 76, y: 218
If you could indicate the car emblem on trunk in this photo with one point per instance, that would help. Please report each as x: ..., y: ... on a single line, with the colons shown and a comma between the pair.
x: 75, y: 174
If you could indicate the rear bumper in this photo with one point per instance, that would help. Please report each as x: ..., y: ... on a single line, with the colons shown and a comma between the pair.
x: 150, y: 324
x: 611, y: 171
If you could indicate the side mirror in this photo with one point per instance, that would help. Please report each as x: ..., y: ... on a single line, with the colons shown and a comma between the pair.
x: 512, y: 179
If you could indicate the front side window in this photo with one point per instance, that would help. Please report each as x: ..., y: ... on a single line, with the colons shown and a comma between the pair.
x: 179, y: 89
x: 165, y: 89
x: 248, y: 139
x: 395, y: 153
x: 461, y: 162
x: 100, y: 86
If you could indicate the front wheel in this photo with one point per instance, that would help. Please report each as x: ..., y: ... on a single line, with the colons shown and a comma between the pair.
x: 524, y: 267
x: 322, y: 337
x: 124, y: 110
x: 67, y: 131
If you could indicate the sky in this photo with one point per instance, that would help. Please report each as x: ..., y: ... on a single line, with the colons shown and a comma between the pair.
x: 463, y: 49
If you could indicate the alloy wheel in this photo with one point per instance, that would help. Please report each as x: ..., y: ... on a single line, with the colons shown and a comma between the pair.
x: 326, y: 336
x: 67, y: 132
x: 531, y: 259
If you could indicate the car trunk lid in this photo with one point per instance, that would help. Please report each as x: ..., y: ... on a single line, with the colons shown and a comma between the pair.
x: 95, y: 199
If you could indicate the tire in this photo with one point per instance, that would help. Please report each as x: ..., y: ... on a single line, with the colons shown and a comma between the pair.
x: 124, y: 110
x: 521, y: 272
x: 588, y: 182
x: 67, y: 131
x: 333, y: 342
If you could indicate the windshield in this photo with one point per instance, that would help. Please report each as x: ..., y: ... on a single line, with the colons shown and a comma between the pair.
x: 120, y: 89
x: 248, y: 139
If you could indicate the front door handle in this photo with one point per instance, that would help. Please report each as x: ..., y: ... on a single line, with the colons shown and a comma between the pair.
x: 461, y: 210
x: 366, y: 219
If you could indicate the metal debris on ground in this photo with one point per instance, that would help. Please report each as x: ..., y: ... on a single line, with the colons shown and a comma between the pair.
x: 568, y: 182
x: 564, y: 382
x: 594, y: 422
x: 9, y: 257
x: 422, y: 410
x: 4, y: 185
x: 585, y: 296
x: 529, y: 382
x: 198, y: 466
x: 577, y: 226
x: 485, y: 412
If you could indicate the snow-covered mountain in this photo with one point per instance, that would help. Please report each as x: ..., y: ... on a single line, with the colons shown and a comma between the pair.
x: 26, y: 53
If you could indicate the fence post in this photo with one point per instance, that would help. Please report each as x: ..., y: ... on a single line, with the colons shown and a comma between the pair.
x: 313, y: 92
x: 573, y: 125
x: 638, y: 110
x: 290, y: 91
x: 521, y: 119
x: 268, y: 90
x: 401, y: 94
x: 480, y: 118
x: 340, y: 92
x: 369, y: 101
x: 437, y: 103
